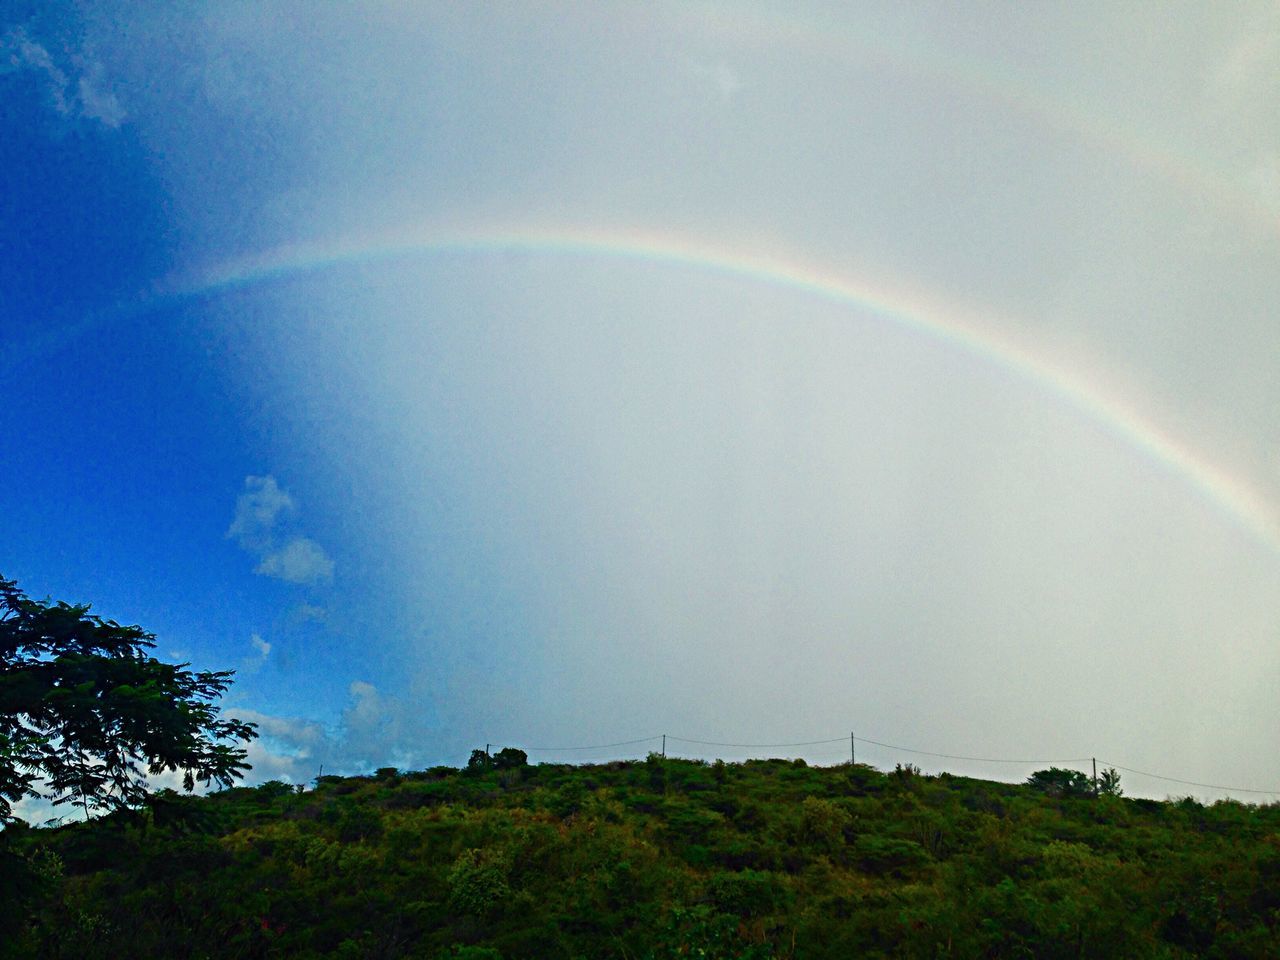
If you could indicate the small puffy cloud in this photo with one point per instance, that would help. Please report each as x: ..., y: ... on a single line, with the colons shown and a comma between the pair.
x: 258, y: 509
x: 84, y: 95
x: 263, y: 648
x: 261, y: 509
x: 97, y: 103
x: 300, y: 560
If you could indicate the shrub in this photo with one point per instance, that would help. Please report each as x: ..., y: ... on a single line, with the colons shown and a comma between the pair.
x: 823, y: 823
x: 750, y: 893
x: 478, y: 882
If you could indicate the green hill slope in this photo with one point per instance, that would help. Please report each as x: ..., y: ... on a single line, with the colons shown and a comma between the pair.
x: 664, y: 858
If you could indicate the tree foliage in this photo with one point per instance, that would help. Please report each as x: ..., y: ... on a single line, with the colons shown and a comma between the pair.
x: 86, y: 713
x: 764, y: 859
x: 1057, y: 782
x: 1109, y: 783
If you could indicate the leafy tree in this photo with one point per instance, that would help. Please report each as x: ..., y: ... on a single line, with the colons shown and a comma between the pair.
x: 508, y: 758
x: 1057, y: 782
x: 1109, y: 783
x: 85, y: 712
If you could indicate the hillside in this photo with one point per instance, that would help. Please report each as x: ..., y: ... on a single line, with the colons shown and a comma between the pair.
x: 657, y: 858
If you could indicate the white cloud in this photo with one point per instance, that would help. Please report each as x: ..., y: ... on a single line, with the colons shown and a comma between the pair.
x: 368, y: 735
x: 300, y: 560
x: 85, y: 95
x: 257, y: 511
x: 296, y: 733
x: 292, y: 558
x: 97, y: 103
x: 369, y: 709
x: 262, y: 646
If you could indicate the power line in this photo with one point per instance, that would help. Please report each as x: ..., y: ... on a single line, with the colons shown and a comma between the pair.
x: 759, y: 746
x: 1189, y: 783
x: 598, y: 746
x: 952, y: 756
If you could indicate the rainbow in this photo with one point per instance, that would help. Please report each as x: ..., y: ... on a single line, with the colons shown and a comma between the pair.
x: 1238, y: 500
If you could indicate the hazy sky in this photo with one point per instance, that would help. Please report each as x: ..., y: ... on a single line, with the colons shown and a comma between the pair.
x: 562, y: 374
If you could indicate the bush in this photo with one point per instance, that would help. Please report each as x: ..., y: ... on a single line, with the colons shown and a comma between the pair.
x: 750, y: 893
x: 882, y: 855
x: 478, y: 882
x: 823, y: 823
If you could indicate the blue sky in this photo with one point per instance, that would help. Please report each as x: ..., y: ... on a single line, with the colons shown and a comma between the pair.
x: 569, y: 373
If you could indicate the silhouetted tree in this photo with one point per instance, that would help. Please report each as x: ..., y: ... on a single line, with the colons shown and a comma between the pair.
x: 508, y: 758
x: 1057, y: 782
x: 1109, y: 783
x: 85, y: 712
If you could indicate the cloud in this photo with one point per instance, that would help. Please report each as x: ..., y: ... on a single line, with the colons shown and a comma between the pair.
x: 262, y: 650
x: 369, y: 734
x: 84, y: 95
x: 300, y: 560
x: 97, y: 103
x: 260, y: 510
x: 257, y: 511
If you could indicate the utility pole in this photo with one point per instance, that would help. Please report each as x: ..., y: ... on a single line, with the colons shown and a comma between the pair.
x: 664, y: 746
x: 853, y: 750
x: 1095, y: 776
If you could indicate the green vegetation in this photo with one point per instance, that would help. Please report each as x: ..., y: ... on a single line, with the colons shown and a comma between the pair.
x: 654, y: 859
x: 85, y: 712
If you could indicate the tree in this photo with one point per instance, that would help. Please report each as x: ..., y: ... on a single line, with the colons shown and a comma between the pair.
x: 85, y: 711
x: 1109, y: 783
x: 509, y: 758
x: 1057, y: 782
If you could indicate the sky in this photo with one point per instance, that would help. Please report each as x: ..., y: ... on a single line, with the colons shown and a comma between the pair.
x: 569, y: 374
